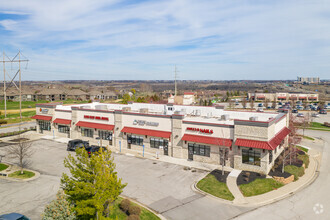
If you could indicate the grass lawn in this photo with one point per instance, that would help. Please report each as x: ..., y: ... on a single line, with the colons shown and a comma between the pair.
x: 117, y: 213
x: 18, y: 120
x: 305, y: 159
x: 3, y: 166
x: 211, y: 185
x: 302, y: 148
x: 259, y: 186
x: 318, y: 126
x: 308, y: 138
x: 16, y: 115
x: 296, y: 171
x: 25, y: 175
x: 31, y: 104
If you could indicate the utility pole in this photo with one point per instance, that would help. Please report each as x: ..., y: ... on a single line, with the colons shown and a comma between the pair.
x: 175, y: 77
x: 4, y: 83
x: 19, y: 88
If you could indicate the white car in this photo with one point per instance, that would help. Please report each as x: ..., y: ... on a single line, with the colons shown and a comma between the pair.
x: 316, y: 115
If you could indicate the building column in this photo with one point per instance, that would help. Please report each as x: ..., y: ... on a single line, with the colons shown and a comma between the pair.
x: 176, y: 146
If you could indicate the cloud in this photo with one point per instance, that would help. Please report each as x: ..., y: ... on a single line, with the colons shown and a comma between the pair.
x: 144, y: 39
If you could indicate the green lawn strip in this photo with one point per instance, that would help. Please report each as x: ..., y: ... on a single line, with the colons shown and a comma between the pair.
x: 117, y: 213
x: 305, y: 159
x: 18, y: 120
x: 308, y: 138
x: 25, y: 175
x: 318, y: 125
x: 319, y: 129
x: 31, y: 104
x: 302, y: 148
x: 16, y: 115
x: 3, y: 166
x: 211, y: 185
x: 294, y: 170
x: 259, y: 186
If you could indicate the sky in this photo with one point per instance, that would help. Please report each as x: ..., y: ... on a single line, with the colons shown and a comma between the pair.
x: 144, y: 40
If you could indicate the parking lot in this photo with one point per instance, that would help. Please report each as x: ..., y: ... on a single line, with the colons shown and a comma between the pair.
x: 162, y: 186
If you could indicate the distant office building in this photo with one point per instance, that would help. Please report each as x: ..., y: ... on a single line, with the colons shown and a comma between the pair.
x: 280, y: 96
x: 304, y: 80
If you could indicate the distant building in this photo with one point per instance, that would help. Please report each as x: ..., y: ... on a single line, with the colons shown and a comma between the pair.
x: 308, y: 80
x: 283, y: 96
x: 188, y: 98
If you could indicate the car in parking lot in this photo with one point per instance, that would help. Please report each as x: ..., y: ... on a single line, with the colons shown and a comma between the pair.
x: 323, y: 111
x: 13, y: 216
x: 300, y: 115
x: 94, y: 149
x: 294, y: 111
x: 76, y: 143
x: 316, y: 115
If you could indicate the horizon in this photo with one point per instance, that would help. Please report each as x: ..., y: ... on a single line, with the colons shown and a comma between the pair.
x: 144, y: 40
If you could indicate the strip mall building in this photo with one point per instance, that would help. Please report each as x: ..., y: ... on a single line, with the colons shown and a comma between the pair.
x: 247, y: 140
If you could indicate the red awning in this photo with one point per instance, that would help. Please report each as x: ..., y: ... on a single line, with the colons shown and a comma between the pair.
x: 267, y: 145
x: 95, y: 125
x: 302, y: 97
x: 148, y: 132
x: 312, y: 98
x: 253, y: 143
x: 281, y: 97
x: 279, y: 137
x: 42, y: 117
x: 62, y: 121
x: 207, y: 140
x: 260, y: 96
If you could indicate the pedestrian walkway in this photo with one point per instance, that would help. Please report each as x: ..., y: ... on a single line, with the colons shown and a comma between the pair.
x: 233, y: 188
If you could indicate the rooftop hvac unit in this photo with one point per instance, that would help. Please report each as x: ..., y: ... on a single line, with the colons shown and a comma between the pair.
x: 86, y: 107
x: 126, y: 109
x: 254, y: 118
x: 144, y: 110
x: 177, y: 112
x: 225, y: 117
x: 101, y: 107
x: 198, y: 112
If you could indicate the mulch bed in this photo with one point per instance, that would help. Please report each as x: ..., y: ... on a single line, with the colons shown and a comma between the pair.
x: 248, y: 177
x: 218, y: 175
x: 278, y: 172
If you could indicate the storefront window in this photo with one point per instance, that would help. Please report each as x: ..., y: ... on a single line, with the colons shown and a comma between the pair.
x: 106, y: 135
x: 86, y: 132
x: 156, y: 143
x: 63, y: 129
x: 44, y: 125
x: 251, y: 156
x: 133, y: 139
x: 201, y: 150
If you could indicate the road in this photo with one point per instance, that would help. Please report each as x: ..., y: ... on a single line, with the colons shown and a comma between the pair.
x: 310, y: 203
x: 16, y: 128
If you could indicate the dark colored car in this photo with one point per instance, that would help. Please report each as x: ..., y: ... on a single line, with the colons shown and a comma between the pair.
x: 94, y: 149
x: 13, y: 216
x: 323, y: 111
x: 73, y: 144
x: 294, y: 111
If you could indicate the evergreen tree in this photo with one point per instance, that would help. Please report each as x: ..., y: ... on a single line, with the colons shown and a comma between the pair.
x: 93, y: 185
x: 59, y: 209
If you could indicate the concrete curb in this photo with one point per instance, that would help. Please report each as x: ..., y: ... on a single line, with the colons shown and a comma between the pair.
x: 36, y: 176
x: 144, y: 206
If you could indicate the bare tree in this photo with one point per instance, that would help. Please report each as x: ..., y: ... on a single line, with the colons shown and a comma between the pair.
x: 274, y: 103
x: 294, y: 137
x: 306, y: 122
x: 21, y: 151
x: 252, y: 103
x: 244, y: 102
x: 266, y: 103
x: 231, y: 104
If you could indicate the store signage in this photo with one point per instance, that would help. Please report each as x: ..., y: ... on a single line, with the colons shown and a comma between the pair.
x: 44, y: 110
x: 143, y: 122
x: 201, y: 130
x: 96, y: 117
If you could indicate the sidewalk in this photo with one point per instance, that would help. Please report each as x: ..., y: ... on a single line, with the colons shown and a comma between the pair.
x: 275, y: 195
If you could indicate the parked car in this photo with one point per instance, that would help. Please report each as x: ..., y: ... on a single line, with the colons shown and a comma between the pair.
x: 280, y: 103
x: 300, y: 115
x: 294, y: 111
x: 94, y: 149
x: 323, y: 111
x: 260, y: 105
x: 73, y: 144
x: 13, y: 216
x: 269, y: 107
x: 316, y: 115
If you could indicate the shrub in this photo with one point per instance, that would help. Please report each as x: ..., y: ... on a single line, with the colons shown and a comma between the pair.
x: 125, y: 205
x: 3, y: 121
x: 133, y: 217
x: 134, y: 210
x: 59, y: 208
x: 305, y: 159
x: 296, y: 171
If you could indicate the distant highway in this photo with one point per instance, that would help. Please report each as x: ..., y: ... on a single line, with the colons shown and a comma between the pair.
x: 16, y: 127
